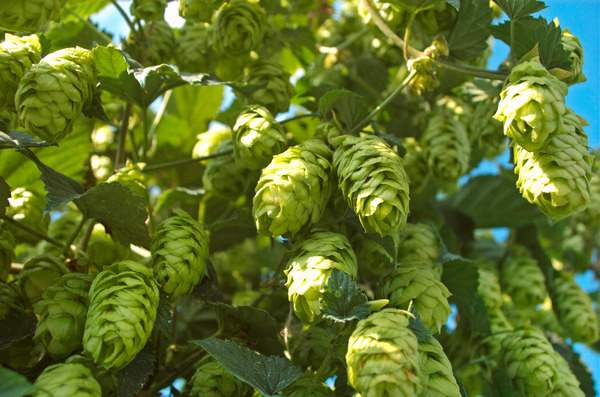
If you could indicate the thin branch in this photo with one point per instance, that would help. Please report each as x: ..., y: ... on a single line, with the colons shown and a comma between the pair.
x: 99, y: 33
x: 174, y: 163
x: 120, y: 156
x: 73, y: 236
x: 470, y: 70
x: 125, y: 17
x: 31, y: 231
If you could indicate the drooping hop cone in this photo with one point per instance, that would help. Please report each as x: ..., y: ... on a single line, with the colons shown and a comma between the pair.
x: 301, y: 386
x: 38, y: 274
x: 123, y: 304
x: 62, y: 314
x: 383, y: 357
x: 208, y: 141
x: 373, y: 182
x: 221, y: 176
x: 9, y: 300
x: 54, y: 92
x: 277, y: 91
x: 67, y: 380
x: 574, y: 310
x: 418, y: 284
x: 557, y: 177
x: 415, y: 165
x: 489, y: 289
x: 29, y: 15
x: 7, y: 252
x: 524, y: 281
x: 311, y: 262
x: 371, y: 255
x: 293, y: 190
x: 532, y: 105
x: 258, y: 137
x: 17, y: 55
x: 133, y: 178
x: 148, y: 10
x: 567, y: 384
x: 27, y: 208
x: 418, y: 244
x: 438, y: 379
x: 212, y: 380
x: 193, y: 53
x: 530, y: 361
x: 238, y: 28
x: 106, y: 378
x: 179, y: 253
x: 575, y: 49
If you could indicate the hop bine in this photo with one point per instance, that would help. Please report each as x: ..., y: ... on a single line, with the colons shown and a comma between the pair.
x: 17, y: 55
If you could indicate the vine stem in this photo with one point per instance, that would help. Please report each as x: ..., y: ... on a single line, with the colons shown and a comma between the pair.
x: 31, y: 231
x: 160, y: 114
x: 174, y: 163
x: 470, y: 70
x: 125, y: 17
x: 297, y: 117
x: 73, y: 236
x: 332, y: 352
x: 120, y: 156
x: 144, y: 115
x: 99, y: 33
x: 411, y: 19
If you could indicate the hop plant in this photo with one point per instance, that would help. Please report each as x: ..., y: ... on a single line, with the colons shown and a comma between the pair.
x: 258, y: 137
x: 303, y: 384
x: 532, y: 105
x: 54, y: 92
x: 418, y: 244
x: 208, y: 142
x: 8, y: 299
x: 123, y: 304
x: 106, y: 379
x: 221, y: 176
x: 415, y: 165
x: 7, y: 252
x: 486, y: 131
x: 26, y: 207
x: 238, y: 28
x: 308, y: 348
x: 567, y: 384
x: 557, y: 177
x: 524, y: 281
x: 530, y: 361
x: 195, y: 10
x: 212, y: 380
x: 148, y: 10
x: 67, y: 380
x: 574, y: 310
x: 438, y: 379
x: 371, y: 255
x: 293, y: 189
x: 60, y: 230
x: 29, y: 15
x: 179, y: 253
x: 277, y: 92
x: 62, y: 314
x: 373, y: 181
x: 193, y: 53
x: 133, y: 178
x: 160, y: 41
x: 37, y: 274
x: 573, y: 46
x: 17, y: 55
x: 383, y: 357
x: 103, y: 250
x: 418, y: 284
x: 311, y: 262
x: 489, y: 289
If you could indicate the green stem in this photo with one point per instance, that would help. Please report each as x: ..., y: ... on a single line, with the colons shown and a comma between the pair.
x: 103, y: 36
x: 470, y: 70
x: 73, y: 236
x: 331, y: 354
x: 513, y: 57
x: 85, y: 239
x: 174, y: 163
x: 297, y: 117
x: 120, y: 155
x: 146, y: 127
x: 125, y: 17
x: 411, y: 19
x: 352, y: 39
x: 160, y: 114
x: 29, y: 230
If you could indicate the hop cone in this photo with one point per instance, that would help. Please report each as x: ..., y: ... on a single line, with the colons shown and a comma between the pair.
x: 308, y: 348
x: 532, y: 105
x: 221, y: 176
x: 106, y: 379
x: 148, y: 10
x: 557, y: 177
x: 258, y: 137
x: 489, y: 289
x: 179, y: 252
x: 446, y: 146
x: 373, y: 181
x: 415, y: 165
x: 524, y: 281
x: 8, y: 298
x: 161, y: 43
x: 418, y: 284
x: 238, y: 28
x: 212, y: 380
x: 195, y: 10
x: 530, y: 361
x: 193, y: 54
x: 17, y: 55
x: 7, y: 253
x: 303, y: 384
x: 311, y: 263
x: 293, y: 189
x: 29, y: 15
x: 383, y: 357
x: 67, y: 380
x: 103, y: 250
x: 26, y: 207
x: 372, y: 255
x: 54, y: 92
x: 591, y: 214
x: 573, y: 46
x: 132, y: 177
x: 438, y: 379
x: 60, y: 230
x: 208, y: 142
x: 574, y: 310
x: 62, y: 314
x: 567, y: 384
x: 277, y: 92
x: 123, y: 303
x: 38, y: 274
x: 418, y: 244
x: 485, y: 131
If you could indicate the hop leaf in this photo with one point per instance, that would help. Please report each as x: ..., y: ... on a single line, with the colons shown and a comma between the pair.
x: 29, y: 15
x: 17, y: 55
x: 67, y: 380
x: 132, y: 177
x: 303, y: 384
x: 238, y: 28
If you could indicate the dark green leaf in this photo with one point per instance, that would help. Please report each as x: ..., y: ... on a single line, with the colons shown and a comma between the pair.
x: 579, y: 369
x: 388, y: 244
x: 172, y: 198
x: 20, y: 139
x: 114, y: 75
x: 500, y: 385
x: 4, y: 195
x: 156, y: 80
x: 418, y: 328
x: 164, y: 317
x: 119, y: 210
x: 207, y: 290
x: 516, y: 9
x: 469, y: 37
x: 267, y: 374
x: 15, y: 329
x: 14, y: 384
x: 349, y: 107
x: 96, y: 110
x: 133, y: 377
x: 341, y: 299
x: 302, y: 42
x: 391, y: 140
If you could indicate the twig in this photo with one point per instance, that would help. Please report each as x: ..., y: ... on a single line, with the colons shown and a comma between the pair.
x: 174, y: 163
x: 31, y: 231
x: 120, y: 156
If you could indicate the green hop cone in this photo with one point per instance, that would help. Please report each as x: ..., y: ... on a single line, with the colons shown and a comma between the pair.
x: 221, y: 176
x: 573, y: 46
x: 524, y: 281
x: 123, y: 304
x: 489, y: 289
x: 557, y: 177
x: 567, y: 384
x: 293, y: 190
x: 311, y: 262
x: 195, y: 10
x: 486, y: 132
x: 148, y: 10
x: 303, y: 384
x: 9, y: 298
x: 438, y: 379
x: 7, y: 252
x: 193, y: 53
x: 591, y: 214
x: 258, y: 137
x: 62, y: 314
x: 54, y: 92
x: 383, y: 357
x: 373, y: 181
x: 532, y: 105
x: 238, y: 28
x: 27, y: 208
x: 161, y: 43
x: 133, y: 178
x: 38, y: 274
x: 179, y: 253
x: 67, y: 380
x: 106, y: 379
x: 418, y: 285
x: 372, y: 255
x: 574, y: 310
x: 425, y: 75
x: 29, y: 15
x: 530, y: 361
x: 208, y: 142
x: 415, y: 165
x: 277, y: 92
x: 418, y: 243
x: 212, y: 380
x: 103, y: 250
x: 17, y: 55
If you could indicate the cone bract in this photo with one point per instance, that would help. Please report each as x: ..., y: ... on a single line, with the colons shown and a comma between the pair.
x: 238, y: 28
x: 208, y: 142
x: 438, y: 379
x: 17, y: 55
x: 67, y: 380
x: 275, y: 95
x: 524, y: 281
x: 575, y: 49
x: 489, y: 289
x: 212, y: 380
x: 418, y: 244
x: 38, y: 274
x: 29, y: 15
x: 106, y: 379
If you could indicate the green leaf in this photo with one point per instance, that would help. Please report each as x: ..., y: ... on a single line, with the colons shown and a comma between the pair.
x: 15, y: 329
x: 4, y: 195
x: 196, y: 105
x: 14, y: 384
x: 85, y: 8
x: 267, y: 374
x: 121, y: 212
x: 302, y: 42
x: 164, y: 317
x: 500, y: 384
x: 341, y: 299
x: 134, y: 376
x: 156, y: 80
x: 75, y: 32
x: 388, y: 244
x: 418, y: 328
x: 20, y: 140
x: 96, y: 110
x: 114, y: 75
x: 177, y: 197
x: 349, y: 107
x: 469, y: 37
x: 516, y: 9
